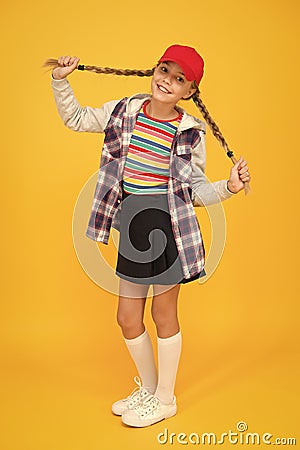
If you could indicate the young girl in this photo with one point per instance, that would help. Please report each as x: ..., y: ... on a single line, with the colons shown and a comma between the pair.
x: 151, y: 175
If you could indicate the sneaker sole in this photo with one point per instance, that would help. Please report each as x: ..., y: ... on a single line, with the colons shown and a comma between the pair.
x: 149, y: 422
x: 117, y: 413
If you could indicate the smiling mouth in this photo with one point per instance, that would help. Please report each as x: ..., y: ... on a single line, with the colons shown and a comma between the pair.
x: 162, y: 89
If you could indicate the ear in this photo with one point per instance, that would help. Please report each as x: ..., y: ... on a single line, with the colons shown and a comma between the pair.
x: 189, y: 93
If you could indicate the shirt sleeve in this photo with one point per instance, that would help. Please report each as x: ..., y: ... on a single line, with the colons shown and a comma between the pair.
x: 76, y: 117
x: 203, y: 192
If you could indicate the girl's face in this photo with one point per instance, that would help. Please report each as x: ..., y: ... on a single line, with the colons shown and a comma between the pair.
x: 169, y: 84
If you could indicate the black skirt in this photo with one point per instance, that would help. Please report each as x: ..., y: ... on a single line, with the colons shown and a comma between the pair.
x: 147, y: 252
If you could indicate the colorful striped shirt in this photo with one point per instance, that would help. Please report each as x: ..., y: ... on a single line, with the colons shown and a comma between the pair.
x: 146, y: 169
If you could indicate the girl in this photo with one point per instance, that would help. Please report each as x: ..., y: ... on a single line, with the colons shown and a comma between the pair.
x: 151, y: 175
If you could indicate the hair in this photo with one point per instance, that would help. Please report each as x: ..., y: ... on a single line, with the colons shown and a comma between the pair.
x: 53, y: 63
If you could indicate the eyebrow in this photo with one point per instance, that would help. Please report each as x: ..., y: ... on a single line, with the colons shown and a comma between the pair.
x: 166, y: 62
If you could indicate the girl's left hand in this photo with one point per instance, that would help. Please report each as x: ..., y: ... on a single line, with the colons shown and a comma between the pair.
x: 239, y: 173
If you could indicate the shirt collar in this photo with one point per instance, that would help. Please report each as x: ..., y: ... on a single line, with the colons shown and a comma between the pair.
x: 135, y: 102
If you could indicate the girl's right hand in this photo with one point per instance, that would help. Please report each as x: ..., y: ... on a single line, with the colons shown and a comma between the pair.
x: 66, y: 65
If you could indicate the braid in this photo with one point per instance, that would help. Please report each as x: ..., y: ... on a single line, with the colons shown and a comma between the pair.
x: 125, y: 72
x: 212, y: 124
x: 52, y: 63
x: 215, y: 129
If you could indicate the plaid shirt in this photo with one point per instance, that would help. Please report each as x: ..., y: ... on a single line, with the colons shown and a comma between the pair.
x: 187, y: 185
x: 108, y: 194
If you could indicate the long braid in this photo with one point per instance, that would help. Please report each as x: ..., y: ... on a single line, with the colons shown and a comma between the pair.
x: 125, y: 72
x: 216, y: 131
x: 52, y: 63
x: 212, y: 124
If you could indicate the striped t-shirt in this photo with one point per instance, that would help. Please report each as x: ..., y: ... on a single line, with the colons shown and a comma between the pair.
x: 146, y: 168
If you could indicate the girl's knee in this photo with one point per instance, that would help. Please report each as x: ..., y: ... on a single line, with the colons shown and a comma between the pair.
x: 130, y: 328
x: 163, y: 320
x: 126, y: 320
x: 130, y: 323
x: 166, y: 327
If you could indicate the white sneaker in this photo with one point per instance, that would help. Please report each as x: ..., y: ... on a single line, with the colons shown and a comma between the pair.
x: 134, y: 399
x: 149, y: 412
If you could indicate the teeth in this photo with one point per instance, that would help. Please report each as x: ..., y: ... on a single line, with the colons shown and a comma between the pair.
x: 163, y: 89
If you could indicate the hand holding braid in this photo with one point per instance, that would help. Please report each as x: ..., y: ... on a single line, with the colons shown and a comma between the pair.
x: 65, y: 65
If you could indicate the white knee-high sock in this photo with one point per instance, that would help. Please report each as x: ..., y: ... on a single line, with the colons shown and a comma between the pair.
x: 141, y: 351
x: 169, y: 350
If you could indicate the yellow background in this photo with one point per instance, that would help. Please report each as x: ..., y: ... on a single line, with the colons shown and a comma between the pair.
x: 63, y: 361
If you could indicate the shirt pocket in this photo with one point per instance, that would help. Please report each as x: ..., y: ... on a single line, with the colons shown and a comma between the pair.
x: 182, y: 168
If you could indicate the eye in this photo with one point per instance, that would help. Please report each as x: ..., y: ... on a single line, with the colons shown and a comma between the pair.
x: 180, y: 79
x: 163, y: 69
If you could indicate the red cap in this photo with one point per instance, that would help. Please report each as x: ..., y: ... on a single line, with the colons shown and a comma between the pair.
x: 188, y: 59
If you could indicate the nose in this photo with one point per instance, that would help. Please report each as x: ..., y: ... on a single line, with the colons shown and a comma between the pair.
x: 166, y: 79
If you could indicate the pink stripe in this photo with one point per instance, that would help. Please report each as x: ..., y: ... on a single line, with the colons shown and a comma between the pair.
x: 151, y: 156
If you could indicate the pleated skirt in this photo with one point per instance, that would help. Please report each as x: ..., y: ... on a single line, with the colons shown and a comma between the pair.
x: 147, y: 252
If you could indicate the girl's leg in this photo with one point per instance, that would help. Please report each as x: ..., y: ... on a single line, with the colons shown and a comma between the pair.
x: 130, y: 314
x: 130, y: 317
x: 169, y: 340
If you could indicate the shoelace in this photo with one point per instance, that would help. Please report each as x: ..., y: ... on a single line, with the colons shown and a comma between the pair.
x: 139, y: 390
x: 150, y: 404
